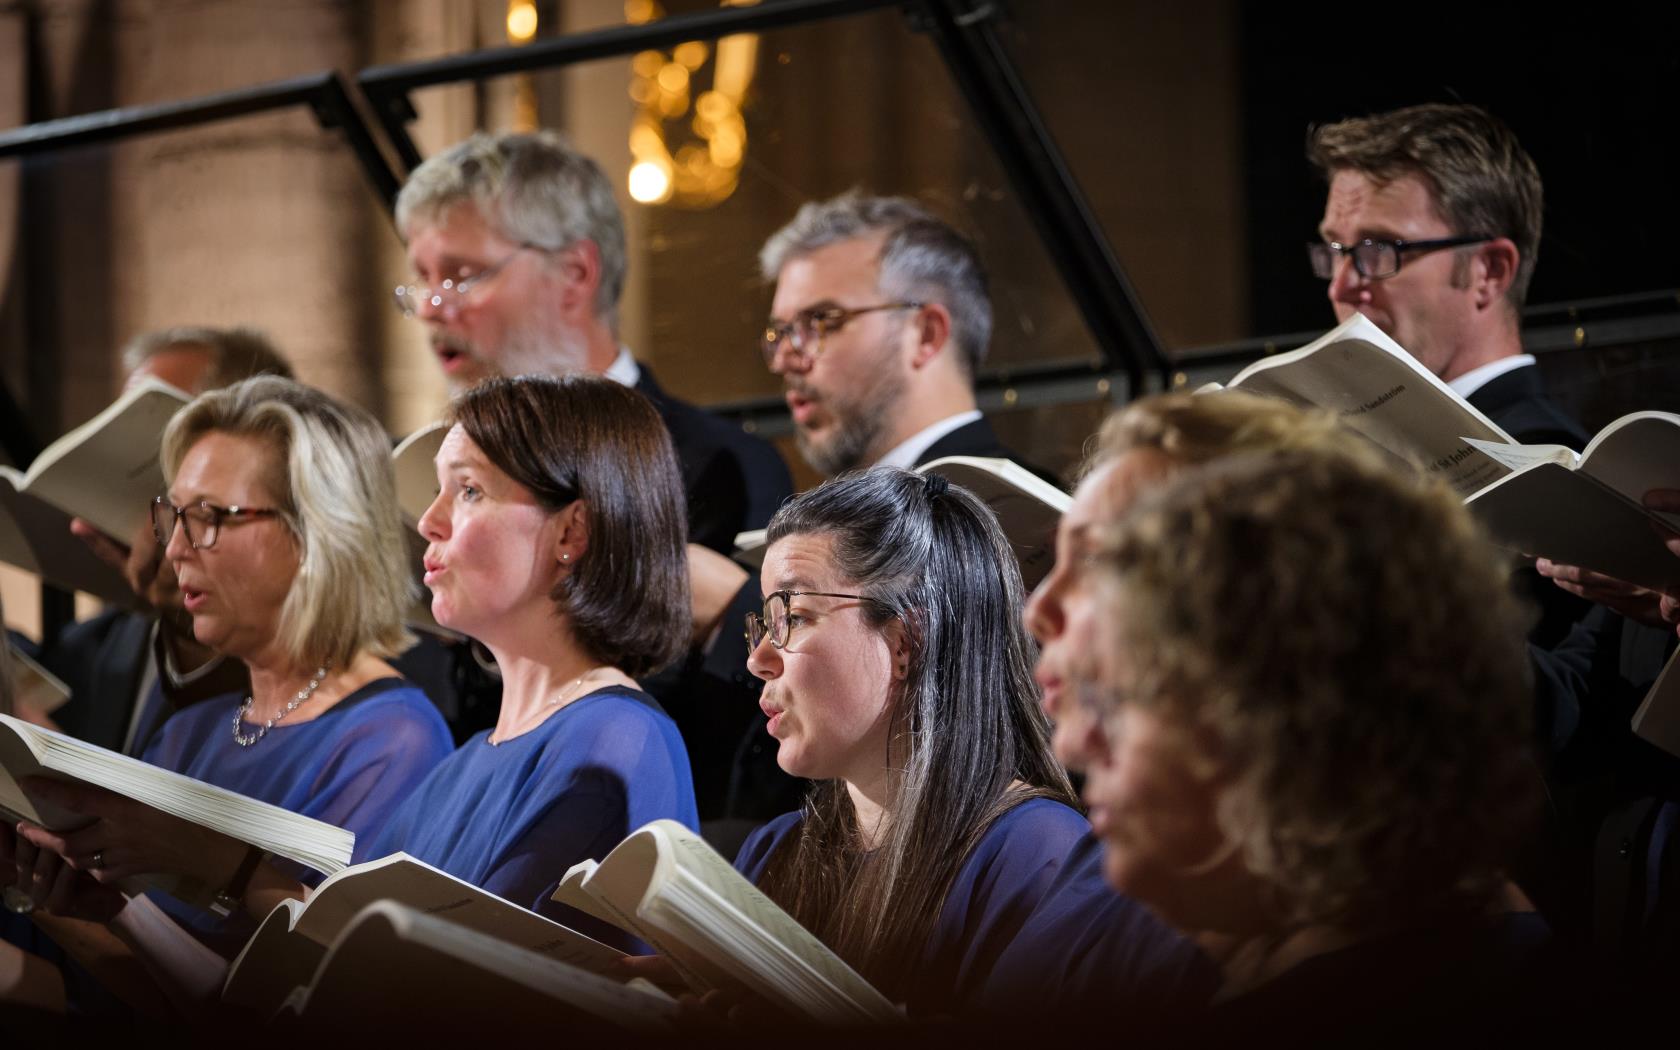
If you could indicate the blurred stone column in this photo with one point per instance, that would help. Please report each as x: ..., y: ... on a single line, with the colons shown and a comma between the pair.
x: 257, y: 221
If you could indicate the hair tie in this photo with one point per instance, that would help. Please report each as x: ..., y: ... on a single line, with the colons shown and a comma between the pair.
x: 935, y: 486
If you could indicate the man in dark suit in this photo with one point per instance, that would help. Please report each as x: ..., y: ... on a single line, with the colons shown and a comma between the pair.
x: 518, y: 246
x: 1431, y: 229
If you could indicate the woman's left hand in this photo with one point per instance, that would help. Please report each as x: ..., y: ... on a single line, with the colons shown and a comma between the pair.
x: 52, y: 885
x: 127, y: 838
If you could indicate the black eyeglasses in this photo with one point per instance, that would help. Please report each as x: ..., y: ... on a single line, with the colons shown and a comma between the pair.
x: 777, y: 624
x: 804, y: 334
x: 1373, y: 259
x: 202, y: 520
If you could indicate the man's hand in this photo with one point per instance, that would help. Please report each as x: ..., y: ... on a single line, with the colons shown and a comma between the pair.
x: 142, y: 564
x: 1630, y: 600
x: 713, y: 582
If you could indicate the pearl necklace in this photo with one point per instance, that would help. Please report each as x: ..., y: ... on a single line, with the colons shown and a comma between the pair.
x: 291, y: 705
x: 542, y: 712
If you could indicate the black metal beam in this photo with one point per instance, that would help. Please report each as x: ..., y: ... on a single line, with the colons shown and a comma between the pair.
x: 965, y: 34
x: 15, y: 437
x: 387, y: 87
x: 325, y: 94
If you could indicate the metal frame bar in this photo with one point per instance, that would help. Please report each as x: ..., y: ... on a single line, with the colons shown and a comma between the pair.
x: 327, y: 95
x: 965, y: 33
x: 387, y: 87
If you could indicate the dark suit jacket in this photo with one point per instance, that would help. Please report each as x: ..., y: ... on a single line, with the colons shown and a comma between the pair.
x: 101, y: 660
x: 979, y: 439
x: 1517, y: 401
x: 734, y: 481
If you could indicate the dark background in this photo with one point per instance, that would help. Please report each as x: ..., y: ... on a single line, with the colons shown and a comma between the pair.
x: 1594, y: 95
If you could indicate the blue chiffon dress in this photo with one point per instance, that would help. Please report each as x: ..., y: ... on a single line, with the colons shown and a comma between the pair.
x: 512, y: 817
x: 351, y: 767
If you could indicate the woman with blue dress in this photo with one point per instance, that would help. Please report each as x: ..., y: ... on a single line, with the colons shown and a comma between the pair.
x: 282, y: 524
x: 899, y: 678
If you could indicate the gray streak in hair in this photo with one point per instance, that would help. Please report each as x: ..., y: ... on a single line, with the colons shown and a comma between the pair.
x: 922, y: 258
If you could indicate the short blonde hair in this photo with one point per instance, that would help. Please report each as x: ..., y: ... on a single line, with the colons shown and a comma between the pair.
x: 1336, y: 643
x: 1198, y: 428
x: 337, y: 494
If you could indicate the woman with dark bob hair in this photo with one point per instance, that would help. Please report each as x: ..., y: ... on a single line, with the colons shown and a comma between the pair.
x: 1312, y: 741
x: 556, y: 540
x: 899, y: 678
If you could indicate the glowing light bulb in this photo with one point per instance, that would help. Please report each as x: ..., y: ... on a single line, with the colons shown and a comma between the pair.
x: 521, y: 21
x: 649, y: 183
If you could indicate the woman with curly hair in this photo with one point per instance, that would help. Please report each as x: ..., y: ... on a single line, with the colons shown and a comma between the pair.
x: 1311, y: 742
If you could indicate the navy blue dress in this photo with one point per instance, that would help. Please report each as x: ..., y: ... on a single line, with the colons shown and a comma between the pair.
x: 352, y: 767
x: 512, y: 817
x: 992, y: 903
x: 1089, y: 950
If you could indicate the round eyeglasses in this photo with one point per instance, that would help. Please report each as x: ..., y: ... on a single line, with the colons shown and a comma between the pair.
x: 776, y: 623
x: 452, y: 292
x: 804, y: 334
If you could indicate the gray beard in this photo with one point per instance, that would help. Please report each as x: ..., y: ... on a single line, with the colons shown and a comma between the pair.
x: 527, y: 350
x: 845, y: 449
x: 859, y: 424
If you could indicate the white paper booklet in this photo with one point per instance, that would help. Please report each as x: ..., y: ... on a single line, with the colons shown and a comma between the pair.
x: 292, y: 940
x: 108, y: 469
x: 30, y: 751
x: 1587, y: 509
x: 1380, y: 391
x: 667, y: 886
x: 1027, y: 508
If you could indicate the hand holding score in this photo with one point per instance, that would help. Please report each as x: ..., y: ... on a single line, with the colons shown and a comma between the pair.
x: 142, y: 564
x: 125, y: 838
x: 50, y: 884
x: 1652, y: 608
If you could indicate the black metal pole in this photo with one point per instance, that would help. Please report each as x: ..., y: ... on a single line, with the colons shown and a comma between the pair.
x: 387, y: 87
x: 987, y: 78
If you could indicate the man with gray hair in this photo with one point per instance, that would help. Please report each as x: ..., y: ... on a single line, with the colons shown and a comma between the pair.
x: 880, y: 320
x: 518, y: 245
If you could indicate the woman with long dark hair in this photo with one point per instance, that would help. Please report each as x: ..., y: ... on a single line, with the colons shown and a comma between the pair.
x: 899, y: 678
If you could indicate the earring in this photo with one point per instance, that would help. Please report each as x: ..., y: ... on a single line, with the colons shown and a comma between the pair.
x: 565, y: 556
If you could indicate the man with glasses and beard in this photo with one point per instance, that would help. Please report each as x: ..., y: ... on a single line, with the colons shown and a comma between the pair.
x: 880, y: 320
x: 879, y: 323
